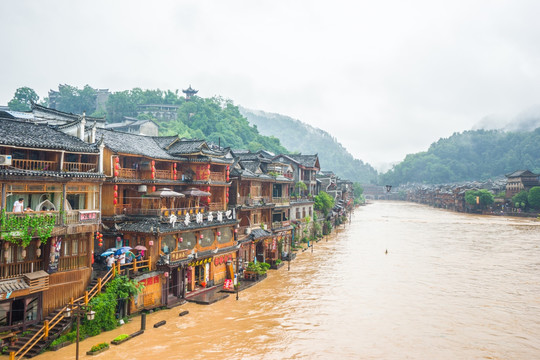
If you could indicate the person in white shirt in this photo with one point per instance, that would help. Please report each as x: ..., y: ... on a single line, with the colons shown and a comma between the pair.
x: 110, y: 262
x: 18, y: 206
x: 122, y: 259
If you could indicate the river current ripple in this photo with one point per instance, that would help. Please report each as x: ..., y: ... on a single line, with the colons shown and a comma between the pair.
x: 452, y: 286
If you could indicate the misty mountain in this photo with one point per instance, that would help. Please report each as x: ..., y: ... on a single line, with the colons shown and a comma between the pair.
x: 303, y: 138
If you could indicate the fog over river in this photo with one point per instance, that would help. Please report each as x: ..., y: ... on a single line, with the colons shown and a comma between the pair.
x: 452, y: 286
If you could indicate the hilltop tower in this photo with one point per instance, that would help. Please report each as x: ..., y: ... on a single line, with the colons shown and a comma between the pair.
x: 189, y: 92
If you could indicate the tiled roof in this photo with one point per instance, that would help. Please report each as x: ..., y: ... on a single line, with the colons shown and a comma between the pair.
x: 30, y: 135
x: 133, y: 144
x: 304, y: 160
x: 7, y: 286
x: 259, y: 233
x: 185, y: 147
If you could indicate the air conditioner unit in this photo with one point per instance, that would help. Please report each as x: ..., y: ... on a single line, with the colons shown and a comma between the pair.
x: 142, y: 188
x: 5, y: 159
x: 248, y: 231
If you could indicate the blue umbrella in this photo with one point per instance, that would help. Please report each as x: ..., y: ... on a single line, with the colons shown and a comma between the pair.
x: 107, y: 253
x: 112, y: 249
x: 122, y: 250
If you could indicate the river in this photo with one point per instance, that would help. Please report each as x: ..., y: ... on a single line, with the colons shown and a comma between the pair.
x: 452, y: 286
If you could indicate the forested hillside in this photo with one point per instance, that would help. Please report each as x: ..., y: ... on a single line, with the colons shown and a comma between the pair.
x: 213, y: 119
x: 471, y: 155
x: 300, y: 137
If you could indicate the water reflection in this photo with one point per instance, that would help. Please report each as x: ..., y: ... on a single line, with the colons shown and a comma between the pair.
x: 452, y: 286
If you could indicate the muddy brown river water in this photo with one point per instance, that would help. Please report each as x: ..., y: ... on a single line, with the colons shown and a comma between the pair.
x: 452, y: 286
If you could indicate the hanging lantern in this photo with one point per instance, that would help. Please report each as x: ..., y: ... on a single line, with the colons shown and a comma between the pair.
x: 174, y: 171
x: 117, y: 166
x: 116, y: 194
x: 116, y: 173
x: 208, y: 166
x: 116, y: 159
x: 219, y: 233
x: 209, y: 199
x: 174, y: 165
x: 115, y: 187
x: 166, y: 274
x: 202, y: 236
x: 151, y: 243
x: 153, y: 163
x: 153, y: 188
x: 115, y: 201
x: 181, y: 239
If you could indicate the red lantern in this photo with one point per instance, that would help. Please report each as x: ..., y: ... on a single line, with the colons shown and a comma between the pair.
x: 166, y: 274
x: 117, y: 166
x: 115, y: 201
x: 117, y: 159
x: 116, y: 194
x: 115, y: 187
x: 208, y: 189
x: 174, y: 165
x: 115, y: 172
x: 209, y: 199
x: 100, y: 235
x: 202, y: 236
x: 219, y: 233
x: 174, y: 172
x: 153, y: 163
x: 151, y: 243
x: 208, y: 166
x: 153, y: 174
x: 153, y: 188
x: 181, y: 239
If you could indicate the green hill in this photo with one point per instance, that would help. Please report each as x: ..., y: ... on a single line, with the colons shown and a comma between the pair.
x: 471, y: 155
x: 300, y: 137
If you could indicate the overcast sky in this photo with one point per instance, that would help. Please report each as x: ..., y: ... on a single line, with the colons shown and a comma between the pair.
x: 386, y: 78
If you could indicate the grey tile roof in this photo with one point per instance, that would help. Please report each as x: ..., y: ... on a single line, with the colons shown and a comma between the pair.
x: 184, y: 147
x: 30, y: 135
x: 133, y: 144
x: 259, y: 234
x: 305, y: 160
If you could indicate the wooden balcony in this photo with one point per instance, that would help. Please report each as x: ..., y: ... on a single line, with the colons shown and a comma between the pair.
x: 128, y: 173
x: 280, y: 200
x: 16, y: 269
x: 217, y: 206
x: 35, y: 165
x: 127, y: 209
x: 217, y: 176
x: 55, y: 214
x: 164, y: 174
x: 73, y: 262
x: 80, y: 167
x: 82, y: 217
x: 280, y: 224
x: 254, y: 201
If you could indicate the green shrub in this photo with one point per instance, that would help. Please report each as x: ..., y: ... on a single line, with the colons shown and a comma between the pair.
x: 99, y: 346
x: 121, y: 337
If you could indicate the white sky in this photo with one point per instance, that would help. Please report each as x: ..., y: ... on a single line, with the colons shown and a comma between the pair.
x: 386, y: 78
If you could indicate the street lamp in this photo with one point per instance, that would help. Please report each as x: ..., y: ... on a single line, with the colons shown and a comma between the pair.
x: 78, y: 312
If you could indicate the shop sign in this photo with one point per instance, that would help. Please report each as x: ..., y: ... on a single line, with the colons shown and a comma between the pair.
x: 228, y: 284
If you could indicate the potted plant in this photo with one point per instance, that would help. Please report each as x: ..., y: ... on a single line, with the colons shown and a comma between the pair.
x: 98, y: 348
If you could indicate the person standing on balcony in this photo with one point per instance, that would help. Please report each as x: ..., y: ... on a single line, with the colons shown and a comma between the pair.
x: 18, y: 206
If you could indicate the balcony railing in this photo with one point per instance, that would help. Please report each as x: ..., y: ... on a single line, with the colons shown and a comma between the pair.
x: 280, y: 224
x: 80, y: 167
x: 217, y: 176
x: 164, y: 174
x: 255, y: 200
x: 128, y: 173
x: 18, y: 268
x: 36, y: 165
x: 280, y: 200
x: 127, y: 209
x: 55, y: 214
x: 73, y: 262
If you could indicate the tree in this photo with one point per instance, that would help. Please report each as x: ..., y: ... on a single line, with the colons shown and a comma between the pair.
x: 534, y: 197
x: 324, y: 202
x: 482, y: 198
x: 23, y: 98
x: 300, y: 186
x: 520, y: 198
